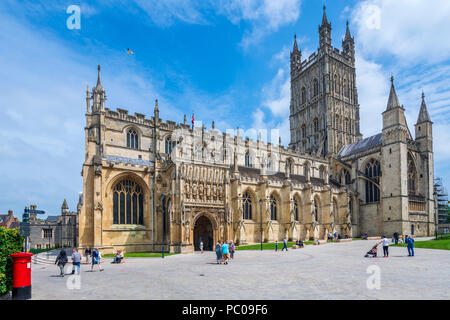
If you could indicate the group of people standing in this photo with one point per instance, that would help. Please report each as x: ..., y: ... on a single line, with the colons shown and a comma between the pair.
x: 408, y: 240
x: 62, y: 259
x: 224, y: 251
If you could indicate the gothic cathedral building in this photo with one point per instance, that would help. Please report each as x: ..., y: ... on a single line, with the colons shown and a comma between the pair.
x: 149, y: 184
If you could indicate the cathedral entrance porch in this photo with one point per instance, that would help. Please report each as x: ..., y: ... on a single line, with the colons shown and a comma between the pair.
x: 203, y: 231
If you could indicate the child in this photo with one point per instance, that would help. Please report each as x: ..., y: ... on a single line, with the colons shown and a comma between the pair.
x: 276, y: 245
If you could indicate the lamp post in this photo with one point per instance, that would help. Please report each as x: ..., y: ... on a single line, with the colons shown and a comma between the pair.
x: 163, y: 210
x: 261, y: 229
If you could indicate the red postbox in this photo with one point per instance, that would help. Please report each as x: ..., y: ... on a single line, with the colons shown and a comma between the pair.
x: 21, y: 275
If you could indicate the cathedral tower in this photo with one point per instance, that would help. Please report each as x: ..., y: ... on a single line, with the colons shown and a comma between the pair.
x: 324, y: 109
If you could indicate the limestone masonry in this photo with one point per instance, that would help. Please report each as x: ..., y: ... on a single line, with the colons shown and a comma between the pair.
x: 213, y: 186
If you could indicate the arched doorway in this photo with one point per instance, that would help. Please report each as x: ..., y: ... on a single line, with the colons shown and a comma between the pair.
x: 203, y: 231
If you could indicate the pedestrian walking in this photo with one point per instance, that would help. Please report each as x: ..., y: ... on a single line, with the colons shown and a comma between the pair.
x: 225, y: 252
x: 276, y: 245
x: 61, y: 261
x: 96, y: 256
x: 232, y: 250
x: 410, y: 244
x: 219, y: 252
x: 87, y: 253
x: 385, y: 242
x: 201, y: 246
x: 76, y: 260
x: 284, y: 245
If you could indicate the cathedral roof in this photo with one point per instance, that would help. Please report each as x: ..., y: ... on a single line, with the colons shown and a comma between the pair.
x: 360, y: 146
x: 423, y: 113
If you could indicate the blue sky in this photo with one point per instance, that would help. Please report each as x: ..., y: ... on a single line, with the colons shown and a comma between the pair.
x: 226, y: 60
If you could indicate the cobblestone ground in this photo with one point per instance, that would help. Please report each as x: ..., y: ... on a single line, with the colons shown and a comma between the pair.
x: 331, y: 271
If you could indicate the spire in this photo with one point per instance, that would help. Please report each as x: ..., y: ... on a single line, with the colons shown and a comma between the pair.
x: 324, y: 18
x: 393, y: 100
x: 156, y: 109
x: 64, y: 207
x: 423, y: 113
x: 99, y: 84
x: 348, y: 35
x: 295, y: 44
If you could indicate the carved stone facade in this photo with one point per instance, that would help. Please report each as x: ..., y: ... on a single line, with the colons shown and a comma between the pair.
x: 149, y: 183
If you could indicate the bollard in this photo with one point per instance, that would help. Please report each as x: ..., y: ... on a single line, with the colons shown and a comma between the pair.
x: 21, y: 275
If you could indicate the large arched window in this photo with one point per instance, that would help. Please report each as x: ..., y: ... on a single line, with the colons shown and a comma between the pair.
x: 322, y: 172
x: 247, y: 206
x: 128, y: 203
x: 132, y: 139
x: 303, y: 131
x: 373, y: 173
x: 273, y: 208
x: 168, y: 146
x: 248, y: 160
x: 412, y: 176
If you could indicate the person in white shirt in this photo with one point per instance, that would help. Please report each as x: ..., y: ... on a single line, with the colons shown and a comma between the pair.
x: 385, y: 243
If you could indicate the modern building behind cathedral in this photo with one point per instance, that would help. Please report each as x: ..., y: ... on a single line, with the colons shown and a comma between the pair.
x: 149, y: 183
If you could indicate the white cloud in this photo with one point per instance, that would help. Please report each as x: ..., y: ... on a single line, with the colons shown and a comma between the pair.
x: 414, y: 31
x: 264, y: 16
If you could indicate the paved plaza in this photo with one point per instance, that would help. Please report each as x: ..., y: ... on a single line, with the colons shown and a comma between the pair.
x: 331, y: 271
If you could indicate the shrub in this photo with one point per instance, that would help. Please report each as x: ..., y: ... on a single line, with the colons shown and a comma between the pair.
x: 10, y: 242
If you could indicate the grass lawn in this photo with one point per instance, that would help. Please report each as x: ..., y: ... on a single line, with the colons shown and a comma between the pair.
x: 269, y: 246
x: 441, y: 243
x: 140, y: 255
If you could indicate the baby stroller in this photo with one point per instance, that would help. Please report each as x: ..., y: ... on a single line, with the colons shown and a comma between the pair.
x: 372, y: 252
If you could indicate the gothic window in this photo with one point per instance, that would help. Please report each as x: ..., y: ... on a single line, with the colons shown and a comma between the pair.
x: 336, y: 84
x: 347, y: 178
x: 336, y: 122
x: 273, y: 208
x: 269, y: 163
x: 347, y: 125
x: 247, y: 206
x: 316, y: 210
x: 128, y: 203
x: 248, y: 160
x: 303, y: 95
x: 316, y: 87
x: 132, y: 139
x: 303, y: 131
x: 316, y: 125
x: 322, y: 173
x: 296, y: 209
x: 412, y: 176
x: 346, y: 91
x: 289, y: 166
x: 373, y: 173
x: 168, y: 146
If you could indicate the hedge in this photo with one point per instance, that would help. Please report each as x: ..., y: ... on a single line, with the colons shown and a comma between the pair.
x: 10, y: 242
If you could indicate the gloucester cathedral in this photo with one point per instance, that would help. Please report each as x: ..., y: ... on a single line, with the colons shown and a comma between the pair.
x: 149, y: 182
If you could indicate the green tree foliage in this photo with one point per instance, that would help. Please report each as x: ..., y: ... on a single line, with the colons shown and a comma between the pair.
x: 10, y: 242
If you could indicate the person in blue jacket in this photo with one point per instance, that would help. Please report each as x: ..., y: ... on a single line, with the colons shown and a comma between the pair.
x: 410, y: 244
